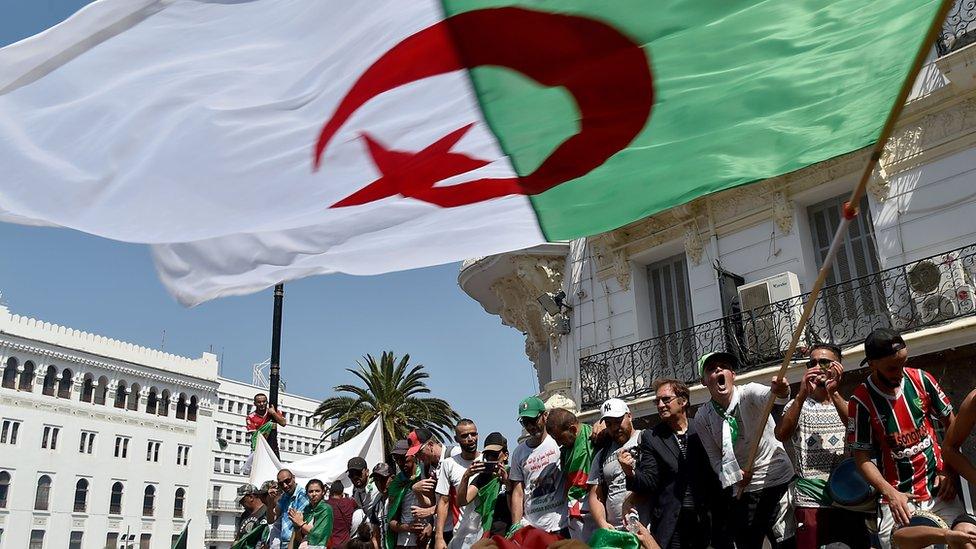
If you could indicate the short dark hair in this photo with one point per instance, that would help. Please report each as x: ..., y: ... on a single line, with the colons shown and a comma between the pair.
x: 315, y: 481
x: 336, y: 487
x: 260, y: 395
x: 830, y: 347
x: 560, y: 418
x: 679, y: 387
x: 464, y: 421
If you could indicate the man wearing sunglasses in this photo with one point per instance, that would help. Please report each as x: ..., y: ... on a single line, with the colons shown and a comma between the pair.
x: 364, y: 492
x: 293, y: 496
x: 815, y: 422
x: 538, y: 482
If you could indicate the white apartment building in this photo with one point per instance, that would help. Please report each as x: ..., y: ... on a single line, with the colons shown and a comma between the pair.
x: 730, y: 271
x: 299, y: 439
x: 104, y: 443
x: 100, y: 439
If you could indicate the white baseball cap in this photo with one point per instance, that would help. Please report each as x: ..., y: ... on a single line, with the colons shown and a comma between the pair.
x: 614, y: 408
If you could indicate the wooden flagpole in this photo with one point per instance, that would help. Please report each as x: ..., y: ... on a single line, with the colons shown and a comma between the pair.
x: 849, y: 213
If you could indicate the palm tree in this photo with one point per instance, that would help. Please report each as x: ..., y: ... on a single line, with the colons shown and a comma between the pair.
x: 391, y: 388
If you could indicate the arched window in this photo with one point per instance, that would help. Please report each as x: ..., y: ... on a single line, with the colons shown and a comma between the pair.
x: 10, y: 374
x: 120, y: 395
x: 164, y: 400
x: 178, y: 503
x: 64, y: 386
x: 101, y: 392
x: 81, y: 496
x: 134, y: 397
x: 87, y: 388
x: 4, y: 488
x: 50, y: 381
x: 115, y: 503
x: 42, y: 498
x: 181, y: 407
x: 27, y: 377
x: 151, y: 401
x: 191, y: 410
x: 149, y: 501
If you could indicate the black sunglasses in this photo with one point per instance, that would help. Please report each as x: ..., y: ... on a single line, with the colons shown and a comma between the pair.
x: 528, y: 420
x: 822, y: 362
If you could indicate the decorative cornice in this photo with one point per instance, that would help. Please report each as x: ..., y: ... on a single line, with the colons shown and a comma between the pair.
x: 782, y: 208
x: 534, y: 276
x: 78, y: 358
x: 97, y: 412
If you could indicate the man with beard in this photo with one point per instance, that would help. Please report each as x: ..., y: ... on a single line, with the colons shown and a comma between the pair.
x: 255, y: 514
x: 607, y: 481
x: 363, y: 491
x: 576, y: 455
x: 674, y: 472
x: 452, y: 470
x: 890, y: 418
x: 538, y: 483
x: 815, y: 422
x: 429, y: 451
x: 378, y: 518
x: 407, y: 529
x: 262, y: 414
x: 726, y: 426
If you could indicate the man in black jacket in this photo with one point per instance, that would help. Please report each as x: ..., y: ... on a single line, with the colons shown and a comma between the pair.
x: 674, y: 473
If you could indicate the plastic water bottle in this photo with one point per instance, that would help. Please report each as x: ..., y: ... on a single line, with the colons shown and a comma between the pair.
x: 632, y: 518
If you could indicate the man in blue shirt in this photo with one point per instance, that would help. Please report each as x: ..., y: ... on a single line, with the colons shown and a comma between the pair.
x: 293, y: 496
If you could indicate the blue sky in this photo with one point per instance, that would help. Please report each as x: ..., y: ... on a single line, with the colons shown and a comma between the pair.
x: 110, y: 288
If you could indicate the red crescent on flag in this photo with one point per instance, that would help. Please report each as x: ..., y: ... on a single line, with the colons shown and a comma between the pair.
x: 607, y: 73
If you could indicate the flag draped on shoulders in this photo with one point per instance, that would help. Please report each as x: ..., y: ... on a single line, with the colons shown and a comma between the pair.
x: 258, y: 141
x: 252, y: 538
x: 576, y: 461
x: 399, y: 486
x: 487, y: 497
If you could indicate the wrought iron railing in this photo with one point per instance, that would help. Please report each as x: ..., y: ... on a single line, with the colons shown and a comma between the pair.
x: 218, y: 535
x: 223, y: 505
x: 959, y: 28
x: 909, y: 297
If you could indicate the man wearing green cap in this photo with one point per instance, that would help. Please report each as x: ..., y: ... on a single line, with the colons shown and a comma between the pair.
x: 538, y: 483
x: 726, y: 426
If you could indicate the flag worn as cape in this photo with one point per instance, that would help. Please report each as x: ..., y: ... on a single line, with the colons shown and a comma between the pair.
x: 576, y: 462
x: 399, y: 486
x: 487, y: 497
x: 254, y: 536
x: 258, y: 141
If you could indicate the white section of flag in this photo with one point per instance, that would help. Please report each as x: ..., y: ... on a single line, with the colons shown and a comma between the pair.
x: 190, y: 124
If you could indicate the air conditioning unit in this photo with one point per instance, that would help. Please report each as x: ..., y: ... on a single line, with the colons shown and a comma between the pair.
x: 941, y: 288
x: 767, y: 325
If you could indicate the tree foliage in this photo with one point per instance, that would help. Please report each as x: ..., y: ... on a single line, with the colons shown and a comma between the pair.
x: 391, y: 388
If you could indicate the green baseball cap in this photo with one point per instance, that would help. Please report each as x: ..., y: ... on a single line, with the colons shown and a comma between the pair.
x: 727, y: 357
x: 531, y: 407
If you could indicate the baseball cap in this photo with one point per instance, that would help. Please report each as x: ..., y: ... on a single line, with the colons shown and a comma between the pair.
x: 417, y: 438
x: 356, y: 464
x: 708, y: 357
x: 495, y: 442
x: 401, y: 447
x: 247, y: 490
x: 614, y: 408
x: 382, y: 469
x: 531, y: 407
x: 881, y: 343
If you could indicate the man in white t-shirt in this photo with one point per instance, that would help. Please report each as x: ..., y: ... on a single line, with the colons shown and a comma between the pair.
x: 538, y: 483
x: 608, y: 485
x: 448, y: 479
x: 429, y: 451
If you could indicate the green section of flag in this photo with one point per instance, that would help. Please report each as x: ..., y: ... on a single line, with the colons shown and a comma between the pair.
x: 745, y: 91
x: 180, y: 542
x: 251, y: 539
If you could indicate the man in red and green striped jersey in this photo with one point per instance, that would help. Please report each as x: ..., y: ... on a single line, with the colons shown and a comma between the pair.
x: 890, y: 417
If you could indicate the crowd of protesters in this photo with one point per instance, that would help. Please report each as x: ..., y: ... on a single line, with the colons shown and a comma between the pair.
x: 712, y: 480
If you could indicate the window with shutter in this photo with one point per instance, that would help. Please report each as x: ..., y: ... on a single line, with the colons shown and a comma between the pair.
x: 670, y: 300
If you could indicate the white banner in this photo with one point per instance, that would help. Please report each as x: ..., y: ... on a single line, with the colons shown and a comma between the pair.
x: 328, y: 466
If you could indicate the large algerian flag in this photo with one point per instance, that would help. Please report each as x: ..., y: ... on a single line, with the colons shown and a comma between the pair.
x: 255, y: 141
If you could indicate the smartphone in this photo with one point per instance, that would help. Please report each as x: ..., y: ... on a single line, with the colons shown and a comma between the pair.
x: 490, y: 467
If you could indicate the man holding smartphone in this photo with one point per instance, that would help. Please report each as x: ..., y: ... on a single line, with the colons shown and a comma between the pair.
x: 452, y: 469
x: 482, y: 493
x: 608, y: 484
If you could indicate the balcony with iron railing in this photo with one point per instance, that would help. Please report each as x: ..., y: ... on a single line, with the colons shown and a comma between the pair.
x: 218, y: 535
x: 223, y: 505
x: 959, y: 28
x: 920, y: 294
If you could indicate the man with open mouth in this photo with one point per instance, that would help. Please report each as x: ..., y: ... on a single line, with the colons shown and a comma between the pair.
x: 727, y: 425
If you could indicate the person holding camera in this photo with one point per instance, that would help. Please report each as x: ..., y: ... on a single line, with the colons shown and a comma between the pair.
x: 607, y: 480
x: 482, y: 493
x: 673, y: 471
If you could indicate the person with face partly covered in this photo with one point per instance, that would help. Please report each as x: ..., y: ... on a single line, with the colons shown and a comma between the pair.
x: 576, y: 455
x: 726, y: 426
x: 891, y: 419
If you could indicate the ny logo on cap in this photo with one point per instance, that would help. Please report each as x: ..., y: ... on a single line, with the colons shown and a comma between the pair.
x: 607, y: 406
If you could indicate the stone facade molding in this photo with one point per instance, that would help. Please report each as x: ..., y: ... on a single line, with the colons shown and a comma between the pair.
x: 533, y: 276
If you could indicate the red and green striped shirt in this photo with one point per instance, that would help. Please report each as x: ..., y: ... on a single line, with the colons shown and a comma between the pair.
x: 899, y: 429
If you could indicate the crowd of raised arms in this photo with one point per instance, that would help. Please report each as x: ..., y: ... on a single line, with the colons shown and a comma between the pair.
x: 828, y: 471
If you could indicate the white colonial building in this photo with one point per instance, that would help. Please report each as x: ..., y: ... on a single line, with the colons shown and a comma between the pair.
x: 104, y: 443
x: 299, y: 439
x: 730, y: 271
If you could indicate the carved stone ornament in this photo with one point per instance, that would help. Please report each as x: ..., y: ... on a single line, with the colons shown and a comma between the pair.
x: 782, y: 209
x: 693, y: 244
x: 534, y: 276
x: 611, y: 254
x: 878, y: 184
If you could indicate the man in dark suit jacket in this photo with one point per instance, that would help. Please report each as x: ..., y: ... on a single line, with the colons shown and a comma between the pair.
x: 674, y: 475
